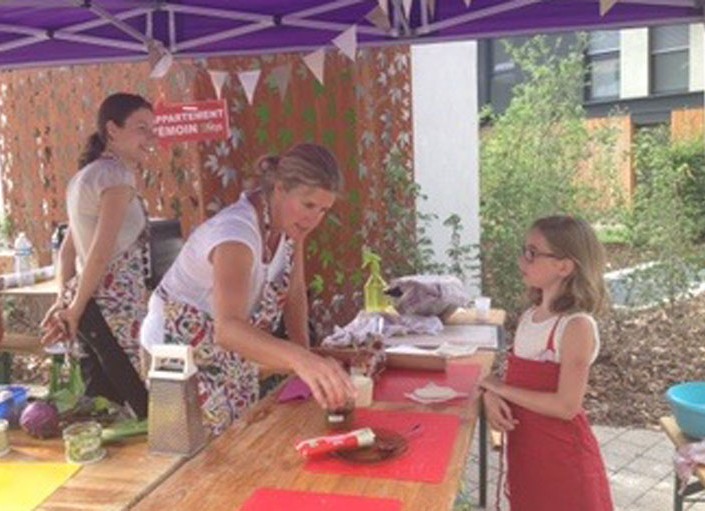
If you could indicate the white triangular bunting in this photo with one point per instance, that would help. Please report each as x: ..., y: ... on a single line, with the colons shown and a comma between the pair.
x: 384, y: 6
x: 606, y: 5
x: 379, y: 19
x: 407, y: 7
x: 249, y: 80
x: 315, y: 62
x: 281, y: 75
x: 467, y: 3
x: 347, y: 42
x: 218, y: 80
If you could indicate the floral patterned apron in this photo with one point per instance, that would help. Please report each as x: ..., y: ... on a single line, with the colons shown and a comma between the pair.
x: 552, y: 464
x: 122, y: 295
x: 227, y: 383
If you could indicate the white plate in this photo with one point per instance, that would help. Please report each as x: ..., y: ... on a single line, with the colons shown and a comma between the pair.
x: 435, y: 392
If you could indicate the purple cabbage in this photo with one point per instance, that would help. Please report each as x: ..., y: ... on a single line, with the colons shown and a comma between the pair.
x: 40, y: 420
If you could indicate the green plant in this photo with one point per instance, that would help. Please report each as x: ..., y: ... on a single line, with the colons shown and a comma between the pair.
x: 464, y: 257
x: 532, y: 161
x: 663, y: 220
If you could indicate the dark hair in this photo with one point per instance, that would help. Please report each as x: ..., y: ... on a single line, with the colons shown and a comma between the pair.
x: 302, y: 165
x: 117, y: 108
x: 573, y: 238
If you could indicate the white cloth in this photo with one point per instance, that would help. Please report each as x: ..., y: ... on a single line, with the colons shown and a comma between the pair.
x: 531, y: 337
x: 83, y: 205
x: 190, y: 278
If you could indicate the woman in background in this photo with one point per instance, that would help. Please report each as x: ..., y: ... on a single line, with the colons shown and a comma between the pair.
x: 102, y: 260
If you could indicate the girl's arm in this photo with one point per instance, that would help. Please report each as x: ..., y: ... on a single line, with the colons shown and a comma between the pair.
x: 296, y: 307
x: 577, y: 348
x: 232, y: 266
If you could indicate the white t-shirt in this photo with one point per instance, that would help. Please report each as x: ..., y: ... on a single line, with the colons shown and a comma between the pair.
x: 531, y: 337
x: 83, y: 204
x: 190, y: 278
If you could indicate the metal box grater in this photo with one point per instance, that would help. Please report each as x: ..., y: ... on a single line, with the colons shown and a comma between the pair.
x: 175, y: 424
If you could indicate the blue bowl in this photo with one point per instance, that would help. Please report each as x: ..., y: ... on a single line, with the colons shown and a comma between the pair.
x: 687, y: 402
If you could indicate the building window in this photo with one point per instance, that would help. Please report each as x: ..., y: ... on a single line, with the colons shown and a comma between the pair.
x: 669, y: 59
x: 603, y: 65
x: 504, y: 74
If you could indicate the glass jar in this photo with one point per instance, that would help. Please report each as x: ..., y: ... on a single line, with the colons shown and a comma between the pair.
x: 82, y: 442
x: 341, y: 418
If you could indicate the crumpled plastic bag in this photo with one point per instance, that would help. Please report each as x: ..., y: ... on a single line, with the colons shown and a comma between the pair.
x: 367, y: 325
x: 360, y: 343
x: 686, y: 460
x: 427, y: 295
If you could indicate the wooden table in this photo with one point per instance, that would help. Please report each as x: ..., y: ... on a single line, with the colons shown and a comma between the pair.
x: 260, y: 453
x: 127, y: 473
x: 670, y: 427
x: 21, y: 331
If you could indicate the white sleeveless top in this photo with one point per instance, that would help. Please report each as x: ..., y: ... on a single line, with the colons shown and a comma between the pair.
x: 190, y: 278
x: 531, y: 337
x: 83, y: 206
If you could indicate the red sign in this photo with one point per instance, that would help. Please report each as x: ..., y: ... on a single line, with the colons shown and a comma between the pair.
x: 195, y: 121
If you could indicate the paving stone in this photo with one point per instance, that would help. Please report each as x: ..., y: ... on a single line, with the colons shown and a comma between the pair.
x: 662, y: 451
x: 642, y: 437
x: 619, y: 454
x: 650, y: 468
x: 606, y: 434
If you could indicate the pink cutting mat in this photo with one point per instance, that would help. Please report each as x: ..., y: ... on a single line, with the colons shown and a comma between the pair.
x: 271, y: 499
x: 426, y: 458
x: 394, y: 383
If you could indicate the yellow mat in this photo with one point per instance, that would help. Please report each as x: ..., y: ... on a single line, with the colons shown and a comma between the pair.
x: 23, y: 486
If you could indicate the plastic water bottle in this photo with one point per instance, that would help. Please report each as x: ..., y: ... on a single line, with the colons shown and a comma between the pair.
x: 23, y: 260
x: 55, y: 246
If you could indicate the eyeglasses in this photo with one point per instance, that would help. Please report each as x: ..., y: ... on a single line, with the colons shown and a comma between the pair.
x: 530, y: 254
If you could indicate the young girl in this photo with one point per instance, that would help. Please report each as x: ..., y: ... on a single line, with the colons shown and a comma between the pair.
x: 553, y: 459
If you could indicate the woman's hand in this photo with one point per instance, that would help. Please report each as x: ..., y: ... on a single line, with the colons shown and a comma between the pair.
x: 330, y: 384
x: 61, y: 323
x: 498, y: 412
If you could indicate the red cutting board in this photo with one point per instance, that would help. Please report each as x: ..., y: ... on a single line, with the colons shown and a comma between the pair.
x: 394, y: 383
x: 426, y: 459
x: 272, y: 499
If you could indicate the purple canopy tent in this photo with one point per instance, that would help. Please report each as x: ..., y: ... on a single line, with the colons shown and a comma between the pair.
x: 56, y: 32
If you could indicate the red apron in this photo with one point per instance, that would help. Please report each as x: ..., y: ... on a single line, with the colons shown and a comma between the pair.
x: 552, y: 464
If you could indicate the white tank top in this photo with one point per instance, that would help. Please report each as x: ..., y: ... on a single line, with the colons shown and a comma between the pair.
x: 531, y: 337
x: 190, y: 278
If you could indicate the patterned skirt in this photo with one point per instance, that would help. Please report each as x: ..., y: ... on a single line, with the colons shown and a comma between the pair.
x: 227, y: 384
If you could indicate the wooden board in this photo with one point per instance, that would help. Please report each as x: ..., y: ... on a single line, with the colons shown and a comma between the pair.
x: 126, y: 474
x: 260, y: 453
x: 468, y: 316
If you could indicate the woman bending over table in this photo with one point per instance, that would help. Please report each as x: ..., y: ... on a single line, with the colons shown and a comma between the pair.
x: 237, y: 275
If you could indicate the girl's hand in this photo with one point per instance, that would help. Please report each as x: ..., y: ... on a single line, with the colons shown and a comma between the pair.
x: 330, y: 384
x: 499, y: 414
x: 491, y: 383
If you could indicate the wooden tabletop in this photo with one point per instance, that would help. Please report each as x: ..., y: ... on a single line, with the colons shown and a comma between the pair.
x: 260, y: 453
x: 670, y: 427
x: 45, y: 288
x: 126, y: 474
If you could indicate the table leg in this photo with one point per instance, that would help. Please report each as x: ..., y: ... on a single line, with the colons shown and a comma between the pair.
x: 483, y: 457
x: 677, y: 497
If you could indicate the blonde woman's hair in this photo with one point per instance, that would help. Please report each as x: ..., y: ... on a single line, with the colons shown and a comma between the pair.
x: 303, y: 165
x: 574, y: 238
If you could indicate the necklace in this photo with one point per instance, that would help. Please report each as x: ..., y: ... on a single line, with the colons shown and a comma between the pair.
x: 266, y: 228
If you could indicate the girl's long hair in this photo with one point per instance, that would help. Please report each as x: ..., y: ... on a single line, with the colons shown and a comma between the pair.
x: 583, y: 290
